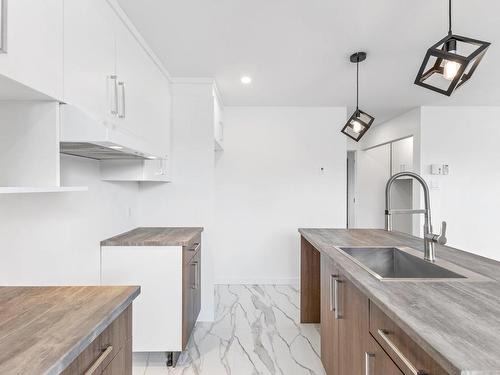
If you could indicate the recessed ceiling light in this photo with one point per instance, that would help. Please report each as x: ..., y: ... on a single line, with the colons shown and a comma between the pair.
x: 246, y: 80
x: 116, y: 147
x: 152, y: 157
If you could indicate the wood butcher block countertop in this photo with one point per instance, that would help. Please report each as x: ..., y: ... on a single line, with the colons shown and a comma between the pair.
x: 456, y: 322
x: 154, y: 236
x: 43, y: 329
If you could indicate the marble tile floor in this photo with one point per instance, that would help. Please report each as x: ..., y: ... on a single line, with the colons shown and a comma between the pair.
x: 256, y: 331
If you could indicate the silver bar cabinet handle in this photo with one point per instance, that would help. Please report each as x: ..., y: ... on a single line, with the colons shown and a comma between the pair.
x: 336, y: 289
x: 99, y: 360
x: 198, y: 276
x: 369, y: 363
x: 195, y: 286
x: 114, y: 95
x: 122, y: 113
x: 332, y: 280
x: 3, y: 26
x: 384, y: 335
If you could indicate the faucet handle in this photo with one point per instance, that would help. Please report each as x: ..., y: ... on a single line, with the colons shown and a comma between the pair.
x: 441, y: 239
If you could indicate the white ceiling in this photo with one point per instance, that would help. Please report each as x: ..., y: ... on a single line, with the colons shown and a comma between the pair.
x: 297, y: 51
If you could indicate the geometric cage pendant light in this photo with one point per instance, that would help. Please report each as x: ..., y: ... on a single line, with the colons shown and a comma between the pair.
x: 359, y: 123
x: 451, y: 62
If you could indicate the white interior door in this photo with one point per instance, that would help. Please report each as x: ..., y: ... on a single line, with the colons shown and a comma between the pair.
x: 401, y: 197
x: 372, y: 172
x: 351, y: 189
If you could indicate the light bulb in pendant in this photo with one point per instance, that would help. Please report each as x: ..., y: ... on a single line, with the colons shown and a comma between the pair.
x: 357, y: 127
x: 450, y: 69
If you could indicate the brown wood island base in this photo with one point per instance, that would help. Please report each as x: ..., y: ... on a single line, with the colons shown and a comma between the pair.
x: 110, y: 353
x: 309, y: 283
x: 356, y: 336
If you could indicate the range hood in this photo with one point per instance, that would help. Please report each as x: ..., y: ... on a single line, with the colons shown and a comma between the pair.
x: 83, y: 135
x: 97, y: 151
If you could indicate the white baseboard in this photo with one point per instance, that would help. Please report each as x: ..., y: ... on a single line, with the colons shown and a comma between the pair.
x: 257, y: 280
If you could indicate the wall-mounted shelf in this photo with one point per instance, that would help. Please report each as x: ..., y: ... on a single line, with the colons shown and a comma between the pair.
x: 41, y: 189
x: 157, y: 170
x: 29, y: 139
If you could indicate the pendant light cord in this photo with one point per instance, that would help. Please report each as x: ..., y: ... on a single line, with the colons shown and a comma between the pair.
x: 357, y: 84
x: 449, y: 17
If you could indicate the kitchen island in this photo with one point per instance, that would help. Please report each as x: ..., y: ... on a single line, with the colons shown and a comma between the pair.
x: 68, y: 330
x: 431, y: 326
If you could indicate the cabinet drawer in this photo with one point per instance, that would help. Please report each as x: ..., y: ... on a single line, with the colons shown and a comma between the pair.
x: 191, y: 249
x: 99, y: 354
x: 409, y: 357
x: 117, y: 334
x: 121, y: 363
x: 377, y: 362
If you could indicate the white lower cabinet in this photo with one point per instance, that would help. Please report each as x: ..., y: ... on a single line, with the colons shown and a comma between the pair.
x: 169, y: 276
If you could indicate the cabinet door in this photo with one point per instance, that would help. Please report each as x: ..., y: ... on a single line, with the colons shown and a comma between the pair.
x: 353, y: 312
x: 143, y: 93
x: 191, y: 296
x: 34, y: 44
x: 188, y: 286
x: 377, y: 362
x: 89, y: 56
x: 329, y: 325
x: 197, y: 286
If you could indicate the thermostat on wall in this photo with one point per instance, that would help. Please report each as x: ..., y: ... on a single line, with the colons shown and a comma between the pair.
x: 440, y: 169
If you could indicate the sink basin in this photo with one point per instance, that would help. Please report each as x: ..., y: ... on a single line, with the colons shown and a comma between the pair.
x: 388, y: 263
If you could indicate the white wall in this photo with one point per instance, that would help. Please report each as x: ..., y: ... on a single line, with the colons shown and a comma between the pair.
x: 189, y: 199
x: 468, y: 198
x: 466, y: 138
x: 53, y: 238
x: 269, y: 183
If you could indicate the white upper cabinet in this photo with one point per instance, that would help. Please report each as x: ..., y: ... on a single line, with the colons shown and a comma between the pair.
x: 89, y: 56
x: 143, y: 92
x: 33, y: 53
x: 109, y: 75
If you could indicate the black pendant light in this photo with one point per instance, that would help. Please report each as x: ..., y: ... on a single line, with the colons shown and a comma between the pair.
x: 360, y: 121
x: 450, y: 62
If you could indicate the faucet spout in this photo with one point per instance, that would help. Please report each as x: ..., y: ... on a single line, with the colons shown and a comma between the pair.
x: 429, y: 237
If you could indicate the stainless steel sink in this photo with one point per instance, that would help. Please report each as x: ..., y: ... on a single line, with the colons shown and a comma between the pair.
x: 390, y: 263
